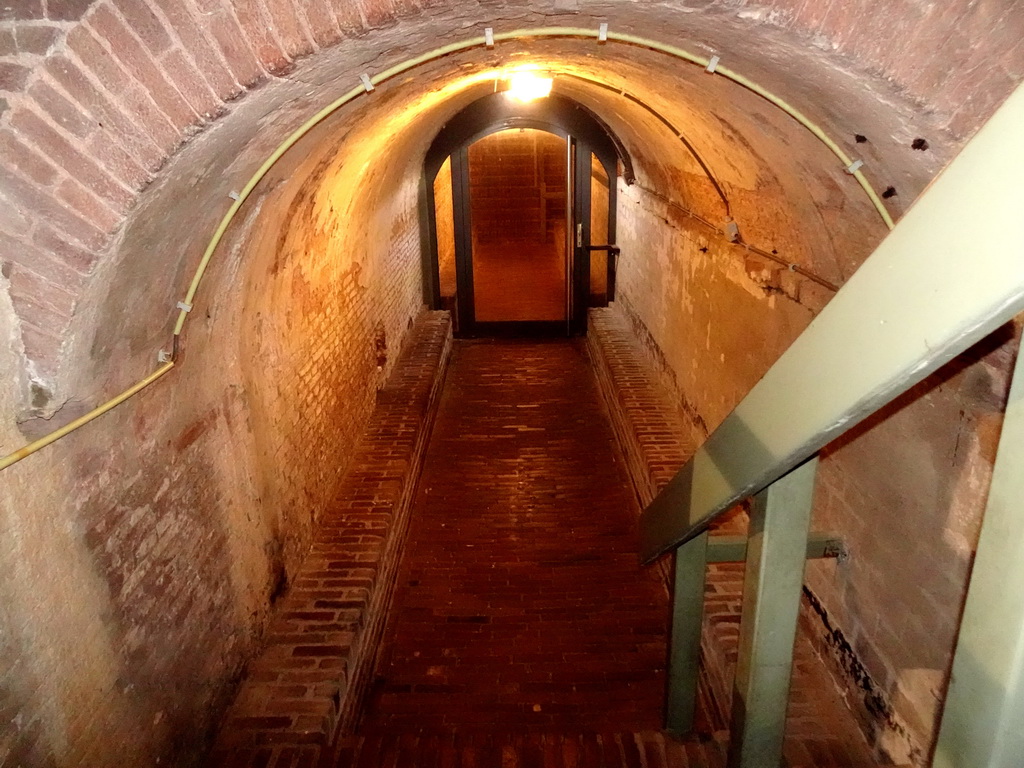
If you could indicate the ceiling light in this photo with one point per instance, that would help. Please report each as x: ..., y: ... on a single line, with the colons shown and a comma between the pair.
x: 528, y: 86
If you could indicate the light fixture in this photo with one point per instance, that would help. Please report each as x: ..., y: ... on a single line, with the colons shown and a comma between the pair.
x: 528, y: 86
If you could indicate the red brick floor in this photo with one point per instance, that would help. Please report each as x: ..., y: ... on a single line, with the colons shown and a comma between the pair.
x: 647, y: 749
x: 523, y: 631
x: 515, y: 280
x: 520, y: 605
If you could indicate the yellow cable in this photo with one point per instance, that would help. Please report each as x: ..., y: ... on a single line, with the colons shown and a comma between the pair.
x: 56, y: 435
x: 825, y: 139
x: 398, y: 69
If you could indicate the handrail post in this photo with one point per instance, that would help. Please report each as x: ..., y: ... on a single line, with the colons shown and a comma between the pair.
x: 772, y: 583
x: 687, y: 619
x: 984, y: 710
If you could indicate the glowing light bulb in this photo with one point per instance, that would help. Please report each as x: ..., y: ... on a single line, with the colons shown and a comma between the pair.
x: 528, y: 86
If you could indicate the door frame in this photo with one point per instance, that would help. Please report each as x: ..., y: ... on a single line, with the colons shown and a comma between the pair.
x: 491, y: 114
x: 582, y: 243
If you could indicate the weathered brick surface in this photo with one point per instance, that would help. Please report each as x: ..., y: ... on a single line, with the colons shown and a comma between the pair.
x: 103, y: 109
x: 16, y: 154
x: 90, y: 50
x: 914, y: 471
x: 169, y: 67
x: 141, y: 19
x: 82, y: 168
x: 220, y: 22
x: 110, y: 119
x: 60, y: 109
x: 188, y: 508
x: 124, y: 47
x: 821, y: 730
x: 13, y: 76
x: 289, y: 28
x: 182, y: 24
x: 321, y: 643
x: 517, y: 186
x: 321, y: 22
x: 260, y: 31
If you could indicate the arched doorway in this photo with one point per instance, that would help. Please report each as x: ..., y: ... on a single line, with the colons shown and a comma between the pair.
x: 520, y: 211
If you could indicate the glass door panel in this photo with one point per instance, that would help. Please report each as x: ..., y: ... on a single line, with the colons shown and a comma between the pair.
x: 599, y: 234
x: 444, y: 218
x: 517, y: 192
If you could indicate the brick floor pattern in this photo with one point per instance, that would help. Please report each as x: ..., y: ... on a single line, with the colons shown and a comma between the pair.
x: 523, y: 632
x: 645, y: 749
x: 520, y: 605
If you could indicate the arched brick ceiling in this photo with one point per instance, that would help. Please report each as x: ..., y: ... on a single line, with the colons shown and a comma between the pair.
x: 126, y: 123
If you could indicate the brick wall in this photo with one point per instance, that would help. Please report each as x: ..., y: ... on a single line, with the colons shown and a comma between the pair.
x: 95, y: 96
x: 517, y: 186
x: 657, y: 438
x: 185, y: 514
x: 327, y: 320
x: 821, y: 729
x: 142, y: 554
x: 712, y: 318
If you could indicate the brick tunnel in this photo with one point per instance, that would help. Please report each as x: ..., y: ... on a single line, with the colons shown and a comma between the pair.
x: 347, y: 522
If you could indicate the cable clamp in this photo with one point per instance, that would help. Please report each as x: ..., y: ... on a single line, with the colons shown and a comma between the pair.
x: 854, y: 166
x: 367, y: 83
x: 234, y: 195
x: 184, y: 307
x: 163, y: 356
x: 732, y: 230
x: 489, y: 37
x: 792, y: 267
x: 602, y: 32
x: 712, y: 65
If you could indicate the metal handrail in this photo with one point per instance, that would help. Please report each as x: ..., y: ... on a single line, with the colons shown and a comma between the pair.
x: 950, y: 273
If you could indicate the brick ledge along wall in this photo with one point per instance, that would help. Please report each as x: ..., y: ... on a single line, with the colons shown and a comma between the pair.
x: 306, y: 685
x: 655, y: 443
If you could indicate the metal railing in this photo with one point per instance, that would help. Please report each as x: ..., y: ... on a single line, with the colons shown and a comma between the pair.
x: 950, y: 273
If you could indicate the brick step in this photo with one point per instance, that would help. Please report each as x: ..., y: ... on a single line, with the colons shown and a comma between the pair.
x: 646, y: 749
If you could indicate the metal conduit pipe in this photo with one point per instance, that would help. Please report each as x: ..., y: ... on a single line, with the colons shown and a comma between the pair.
x: 387, y: 74
x: 675, y: 132
x: 741, y: 243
